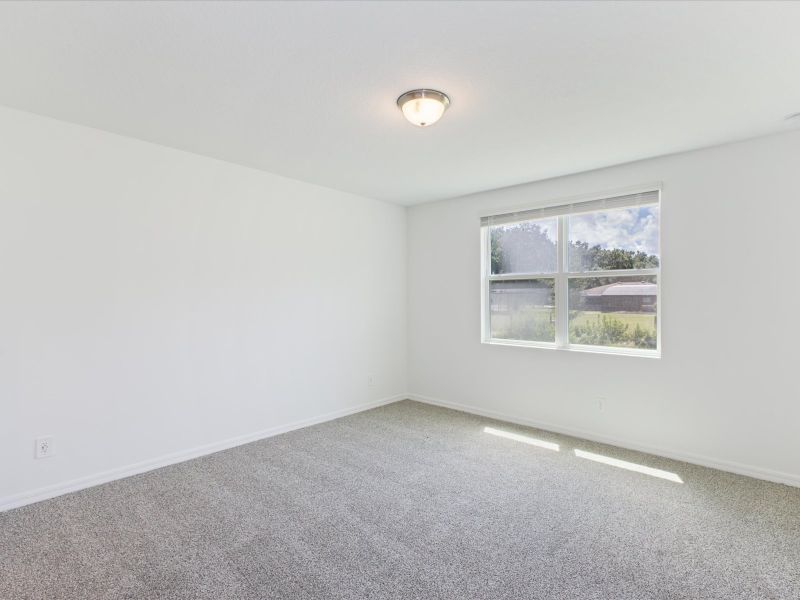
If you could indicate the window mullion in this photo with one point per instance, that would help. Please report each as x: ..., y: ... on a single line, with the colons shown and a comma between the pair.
x: 486, y: 269
x: 520, y: 276
x: 618, y: 273
x: 561, y: 284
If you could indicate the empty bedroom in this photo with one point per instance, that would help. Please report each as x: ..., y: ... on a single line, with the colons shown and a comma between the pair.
x: 349, y: 300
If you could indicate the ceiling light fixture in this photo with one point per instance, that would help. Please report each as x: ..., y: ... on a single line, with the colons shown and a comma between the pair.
x: 423, y: 107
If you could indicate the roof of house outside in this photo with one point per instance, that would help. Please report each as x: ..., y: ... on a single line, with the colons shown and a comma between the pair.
x: 623, y: 288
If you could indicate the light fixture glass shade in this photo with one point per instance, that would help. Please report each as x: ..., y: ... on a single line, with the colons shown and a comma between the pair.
x: 423, y: 107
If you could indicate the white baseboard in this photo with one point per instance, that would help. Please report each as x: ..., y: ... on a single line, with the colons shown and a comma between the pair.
x: 703, y: 461
x: 74, y: 485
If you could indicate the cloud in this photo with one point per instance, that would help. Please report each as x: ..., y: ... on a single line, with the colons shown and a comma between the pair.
x: 549, y: 227
x: 626, y: 228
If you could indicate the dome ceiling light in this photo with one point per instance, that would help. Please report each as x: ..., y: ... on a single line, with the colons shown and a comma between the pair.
x: 423, y: 107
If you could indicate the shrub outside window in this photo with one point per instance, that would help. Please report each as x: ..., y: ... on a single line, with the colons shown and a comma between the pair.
x: 577, y: 276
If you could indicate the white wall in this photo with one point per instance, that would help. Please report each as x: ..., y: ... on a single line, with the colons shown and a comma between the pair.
x: 153, y: 301
x: 156, y: 304
x: 725, y: 391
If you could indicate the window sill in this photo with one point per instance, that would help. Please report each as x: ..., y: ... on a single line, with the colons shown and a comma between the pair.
x: 636, y: 352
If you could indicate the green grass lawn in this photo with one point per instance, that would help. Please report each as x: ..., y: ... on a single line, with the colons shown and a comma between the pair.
x: 646, y: 320
x: 619, y: 329
x: 538, y: 324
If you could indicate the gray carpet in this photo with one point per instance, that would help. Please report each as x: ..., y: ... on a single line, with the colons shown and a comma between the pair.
x: 409, y: 501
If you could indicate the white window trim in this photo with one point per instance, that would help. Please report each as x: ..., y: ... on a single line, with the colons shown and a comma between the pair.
x: 561, y: 286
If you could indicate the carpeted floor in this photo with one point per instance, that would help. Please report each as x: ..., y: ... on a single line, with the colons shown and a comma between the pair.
x: 409, y: 501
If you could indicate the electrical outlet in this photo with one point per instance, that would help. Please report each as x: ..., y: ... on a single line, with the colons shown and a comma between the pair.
x: 601, y: 404
x: 44, y: 447
x: 370, y: 380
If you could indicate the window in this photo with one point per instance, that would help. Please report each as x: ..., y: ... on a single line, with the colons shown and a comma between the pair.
x: 579, y: 276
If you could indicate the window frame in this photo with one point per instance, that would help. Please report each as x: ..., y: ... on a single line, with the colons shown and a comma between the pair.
x: 561, y: 277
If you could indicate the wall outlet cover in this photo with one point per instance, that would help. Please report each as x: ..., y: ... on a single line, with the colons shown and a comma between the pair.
x: 44, y: 447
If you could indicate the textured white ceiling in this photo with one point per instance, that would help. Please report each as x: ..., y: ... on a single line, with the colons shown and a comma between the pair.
x: 307, y: 90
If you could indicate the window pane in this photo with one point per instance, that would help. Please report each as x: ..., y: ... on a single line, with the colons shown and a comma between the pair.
x: 523, y: 310
x: 528, y: 247
x: 613, y: 311
x: 625, y: 238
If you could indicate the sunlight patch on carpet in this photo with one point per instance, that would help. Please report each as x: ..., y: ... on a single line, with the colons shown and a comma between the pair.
x: 629, y: 466
x: 521, y: 438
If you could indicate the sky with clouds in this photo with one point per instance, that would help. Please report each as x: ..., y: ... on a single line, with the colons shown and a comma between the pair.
x: 626, y: 228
